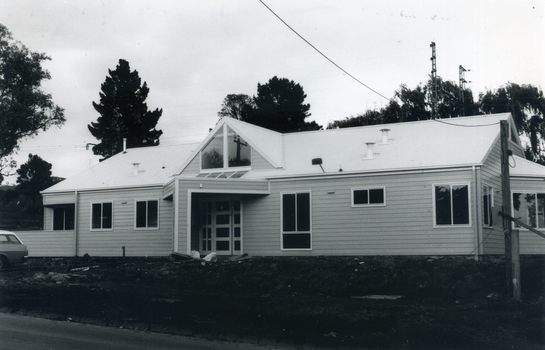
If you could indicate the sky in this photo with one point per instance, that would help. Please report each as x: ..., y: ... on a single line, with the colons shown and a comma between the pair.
x: 192, y: 54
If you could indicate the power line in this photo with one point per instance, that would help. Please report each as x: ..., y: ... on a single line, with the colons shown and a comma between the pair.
x: 327, y: 58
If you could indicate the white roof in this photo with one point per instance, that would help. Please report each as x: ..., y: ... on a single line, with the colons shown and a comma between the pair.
x: 526, y: 168
x: 413, y: 145
x: 156, y: 165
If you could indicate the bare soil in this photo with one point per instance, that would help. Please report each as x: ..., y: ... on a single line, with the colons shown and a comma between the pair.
x: 320, y: 302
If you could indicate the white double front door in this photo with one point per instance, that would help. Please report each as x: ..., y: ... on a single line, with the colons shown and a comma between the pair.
x: 221, y: 226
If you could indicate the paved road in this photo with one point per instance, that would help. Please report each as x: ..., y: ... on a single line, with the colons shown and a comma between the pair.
x: 22, y: 332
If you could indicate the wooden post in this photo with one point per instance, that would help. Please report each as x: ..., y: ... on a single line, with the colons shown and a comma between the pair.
x: 506, y: 201
x: 515, y: 265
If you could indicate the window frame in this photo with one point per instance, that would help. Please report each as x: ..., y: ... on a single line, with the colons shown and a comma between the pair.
x: 537, y: 212
x: 102, y: 210
x: 147, y: 227
x: 65, y: 221
x: 295, y: 231
x: 490, y: 194
x: 434, y: 201
x: 224, y: 132
x: 368, y: 204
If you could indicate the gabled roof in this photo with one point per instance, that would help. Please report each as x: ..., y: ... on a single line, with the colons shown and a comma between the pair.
x: 266, y: 142
x: 413, y: 145
x: 526, y: 168
x: 156, y: 165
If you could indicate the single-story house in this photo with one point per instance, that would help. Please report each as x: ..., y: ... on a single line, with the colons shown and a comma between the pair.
x: 418, y: 188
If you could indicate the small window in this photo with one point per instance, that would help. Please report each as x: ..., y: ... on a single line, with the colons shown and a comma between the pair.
x: 451, y: 205
x: 529, y: 208
x: 296, y: 216
x: 63, y: 217
x: 101, y: 216
x: 363, y: 197
x: 147, y: 214
x: 488, y: 203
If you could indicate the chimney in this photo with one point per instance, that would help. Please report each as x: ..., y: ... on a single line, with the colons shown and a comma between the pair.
x: 385, y: 136
x: 135, y: 169
x: 124, y: 145
x: 370, y: 153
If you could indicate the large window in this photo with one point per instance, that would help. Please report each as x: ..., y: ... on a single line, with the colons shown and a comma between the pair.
x: 147, y: 214
x: 363, y: 197
x: 226, y: 150
x: 529, y: 207
x: 488, y: 203
x: 451, y: 205
x: 63, y: 217
x: 101, y: 216
x: 296, y: 216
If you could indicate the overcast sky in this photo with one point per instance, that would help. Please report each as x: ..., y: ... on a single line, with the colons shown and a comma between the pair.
x: 194, y: 53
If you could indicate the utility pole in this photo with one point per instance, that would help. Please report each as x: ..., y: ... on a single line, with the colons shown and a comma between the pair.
x: 512, y: 258
x: 433, y: 82
x: 461, y: 73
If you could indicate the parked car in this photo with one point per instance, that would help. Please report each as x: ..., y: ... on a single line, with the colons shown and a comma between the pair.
x: 12, y: 249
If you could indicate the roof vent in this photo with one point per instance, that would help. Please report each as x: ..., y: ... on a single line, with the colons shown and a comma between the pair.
x: 370, y: 152
x: 135, y: 169
x: 385, y: 136
x: 124, y: 145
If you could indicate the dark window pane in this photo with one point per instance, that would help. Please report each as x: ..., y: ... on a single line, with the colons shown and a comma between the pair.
x: 236, y: 205
x: 222, y: 245
x: 376, y: 196
x: 460, y: 205
x: 153, y: 213
x: 140, y: 214
x: 96, y: 216
x: 303, y: 212
x: 222, y: 232
x: 442, y: 205
x: 486, y: 210
x: 237, y: 219
x: 288, y: 212
x: 296, y: 241
x: 237, y: 245
x: 237, y: 231
x: 222, y: 219
x: 361, y: 197
x: 541, y: 210
x: 69, y: 217
x: 58, y: 218
x: 222, y: 206
x: 106, y: 215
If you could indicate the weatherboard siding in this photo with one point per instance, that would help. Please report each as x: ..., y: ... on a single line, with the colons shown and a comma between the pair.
x: 48, y: 243
x: 59, y: 198
x: 137, y: 242
x: 492, y: 239
x: 404, y: 226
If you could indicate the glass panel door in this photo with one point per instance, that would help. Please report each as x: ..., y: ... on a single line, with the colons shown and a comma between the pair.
x: 221, y: 227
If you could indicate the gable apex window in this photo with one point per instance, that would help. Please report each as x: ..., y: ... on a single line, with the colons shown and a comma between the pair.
x: 147, y: 214
x: 102, y: 216
x: 368, y: 197
x: 225, y: 150
x: 451, y: 204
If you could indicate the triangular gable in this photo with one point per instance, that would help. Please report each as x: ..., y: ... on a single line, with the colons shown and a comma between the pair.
x: 526, y: 168
x: 268, y: 143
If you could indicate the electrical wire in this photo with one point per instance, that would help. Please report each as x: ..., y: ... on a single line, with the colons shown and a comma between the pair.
x: 327, y: 58
x: 465, y: 126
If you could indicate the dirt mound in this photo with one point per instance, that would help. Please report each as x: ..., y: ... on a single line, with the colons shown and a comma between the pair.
x: 363, y: 302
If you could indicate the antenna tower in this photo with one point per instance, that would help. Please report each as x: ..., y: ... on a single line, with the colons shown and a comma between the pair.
x: 433, y: 82
x: 461, y: 73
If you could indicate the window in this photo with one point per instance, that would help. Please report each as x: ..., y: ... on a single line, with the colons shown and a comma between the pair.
x: 296, y: 221
x: 451, y: 205
x: 488, y: 203
x: 101, y: 216
x: 363, y: 197
x: 147, y: 214
x: 63, y: 217
x: 226, y: 142
x: 529, y: 208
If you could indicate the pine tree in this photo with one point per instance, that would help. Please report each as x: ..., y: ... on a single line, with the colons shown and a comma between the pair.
x: 124, y: 113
